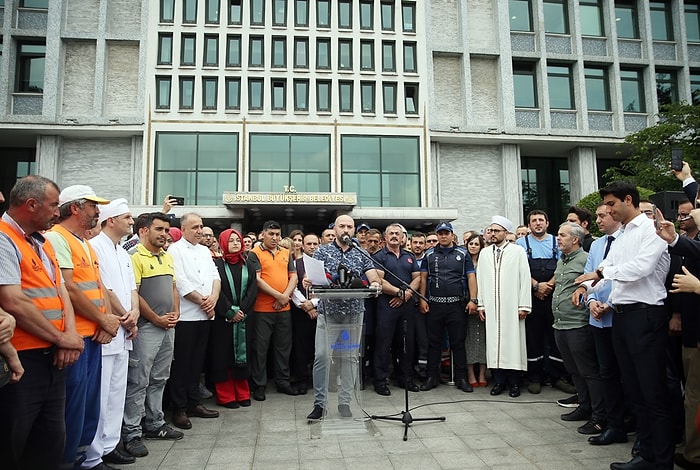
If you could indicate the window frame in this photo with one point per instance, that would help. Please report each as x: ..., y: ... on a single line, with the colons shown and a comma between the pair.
x: 26, y: 61
x: 411, y: 7
x: 210, y: 39
x: 163, y: 79
x: 329, y: 96
x: 590, y: 79
x: 237, y: 105
x: 345, y: 105
x: 555, y: 75
x: 184, y: 106
x: 184, y: 38
x: 234, y: 38
x: 303, y: 82
x: 162, y: 36
x: 208, y: 80
x: 364, y: 66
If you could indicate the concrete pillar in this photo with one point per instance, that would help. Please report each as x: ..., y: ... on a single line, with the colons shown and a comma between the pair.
x: 511, y: 182
x: 583, y: 173
x: 48, y: 152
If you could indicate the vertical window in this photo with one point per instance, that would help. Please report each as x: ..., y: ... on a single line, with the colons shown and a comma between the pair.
x: 301, y: 53
x: 257, y: 12
x: 256, y: 53
x: 280, y: 13
x: 323, y: 53
x: 39, y: 4
x: 167, y: 11
x: 626, y: 20
x: 345, y: 54
x: 367, y: 96
x: 30, y: 65
x: 345, y: 91
x: 388, y: 56
x: 163, y: 85
x: 560, y: 90
x: 408, y: 14
x: 212, y: 11
x: 323, y: 13
x: 661, y: 22
x: 209, y: 92
x: 301, y: 95
x: 189, y: 11
x: 389, y: 98
x: 556, y: 18
x: 367, y: 54
x: 233, y: 50
x: 692, y: 22
x: 279, y: 94
x: 255, y: 93
x: 524, y: 86
x: 233, y: 93
x: 632, y: 84
x: 186, y: 92
x: 695, y: 86
x: 211, y: 50
x: 597, y: 89
x: 323, y: 95
x: 279, y: 51
x: 344, y: 14
x: 301, y: 13
x: 387, y: 16
x: 188, y: 47
x: 411, y: 98
x: 666, y: 87
x: 165, y: 48
x: 366, y: 15
x: 591, y: 17
x: 520, y: 15
x: 409, y: 57
x: 235, y: 12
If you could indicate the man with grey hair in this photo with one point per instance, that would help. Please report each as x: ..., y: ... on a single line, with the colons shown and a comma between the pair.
x: 572, y: 334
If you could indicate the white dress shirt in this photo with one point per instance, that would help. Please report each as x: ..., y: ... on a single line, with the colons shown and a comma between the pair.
x: 194, y: 271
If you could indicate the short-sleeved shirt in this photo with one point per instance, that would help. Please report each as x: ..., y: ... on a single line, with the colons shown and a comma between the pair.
x: 154, y: 275
x: 447, y: 269
x: 274, y: 268
x: 10, y: 256
x: 402, y: 267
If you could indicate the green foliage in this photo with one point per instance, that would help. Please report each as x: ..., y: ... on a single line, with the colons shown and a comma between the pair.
x: 592, y: 200
x: 650, y: 149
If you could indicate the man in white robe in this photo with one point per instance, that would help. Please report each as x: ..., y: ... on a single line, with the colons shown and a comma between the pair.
x: 503, y: 278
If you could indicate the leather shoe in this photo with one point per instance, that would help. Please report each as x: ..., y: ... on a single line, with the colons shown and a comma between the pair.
x: 607, y: 437
x: 118, y: 457
x: 382, y: 389
x: 579, y: 414
x: 316, y: 414
x: 429, y: 384
x: 464, y: 386
x: 201, y: 412
x: 680, y: 460
x: 411, y: 386
x: 181, y: 420
x: 636, y: 448
x: 637, y: 463
x: 514, y: 391
x: 497, y: 389
x: 259, y: 393
x: 287, y: 390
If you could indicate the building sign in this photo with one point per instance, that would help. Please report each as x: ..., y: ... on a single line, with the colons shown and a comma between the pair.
x: 290, y: 196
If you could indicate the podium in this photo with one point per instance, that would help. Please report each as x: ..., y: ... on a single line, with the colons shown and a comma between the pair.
x: 339, y: 365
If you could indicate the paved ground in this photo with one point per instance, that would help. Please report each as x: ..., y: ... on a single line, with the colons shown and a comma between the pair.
x: 480, y: 432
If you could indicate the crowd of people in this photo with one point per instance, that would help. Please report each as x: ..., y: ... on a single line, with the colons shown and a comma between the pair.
x: 106, y: 320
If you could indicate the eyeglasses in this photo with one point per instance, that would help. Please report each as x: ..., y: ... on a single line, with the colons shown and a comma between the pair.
x: 648, y: 212
x: 496, y: 230
x: 683, y: 216
x: 432, y: 240
x: 208, y: 236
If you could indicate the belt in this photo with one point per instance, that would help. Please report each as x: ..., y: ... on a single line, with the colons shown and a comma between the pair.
x: 445, y: 300
x: 626, y: 308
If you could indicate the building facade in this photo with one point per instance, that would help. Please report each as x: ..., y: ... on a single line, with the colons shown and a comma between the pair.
x: 416, y: 111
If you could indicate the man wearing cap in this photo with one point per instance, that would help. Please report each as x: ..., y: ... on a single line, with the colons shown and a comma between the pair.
x: 79, y: 212
x: 117, y: 276
x: 361, y: 235
x: 448, y: 281
x: 503, y: 276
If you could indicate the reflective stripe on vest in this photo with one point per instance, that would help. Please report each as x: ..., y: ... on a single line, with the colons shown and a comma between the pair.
x: 37, y: 284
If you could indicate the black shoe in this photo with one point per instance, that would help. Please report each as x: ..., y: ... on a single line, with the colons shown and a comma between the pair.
x: 136, y: 447
x: 345, y: 411
x: 571, y: 402
x: 607, y: 437
x: 302, y: 388
x: 591, y: 427
x: 637, y: 463
x: 429, y: 384
x: 287, y: 389
x: 579, y: 414
x: 410, y: 385
x: 244, y: 403
x: 564, y: 386
x: 680, y: 460
x: 118, y: 457
x: 636, y: 448
x: 232, y: 405
x: 497, y: 389
x: 164, y: 432
x: 514, y: 391
x: 464, y: 386
x: 200, y: 411
x: 382, y: 389
x: 102, y: 466
x: 316, y: 414
x: 259, y: 393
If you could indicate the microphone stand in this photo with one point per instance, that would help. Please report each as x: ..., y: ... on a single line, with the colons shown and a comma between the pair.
x: 406, y: 418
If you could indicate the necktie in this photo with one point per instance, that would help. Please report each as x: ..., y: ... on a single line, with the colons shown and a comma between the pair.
x: 607, y: 245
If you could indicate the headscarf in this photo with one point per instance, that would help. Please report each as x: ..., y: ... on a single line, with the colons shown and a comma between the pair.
x: 175, y: 233
x: 231, y: 258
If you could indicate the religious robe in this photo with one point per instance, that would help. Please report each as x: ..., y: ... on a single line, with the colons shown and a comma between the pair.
x: 503, y: 278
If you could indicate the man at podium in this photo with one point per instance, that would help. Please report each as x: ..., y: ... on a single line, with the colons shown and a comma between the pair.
x: 345, y: 262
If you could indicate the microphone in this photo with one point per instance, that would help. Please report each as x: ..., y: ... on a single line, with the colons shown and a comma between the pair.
x: 343, y: 273
x: 346, y: 240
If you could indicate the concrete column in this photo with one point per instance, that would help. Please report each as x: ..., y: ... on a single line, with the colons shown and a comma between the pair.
x: 48, y: 153
x: 583, y: 173
x: 511, y: 182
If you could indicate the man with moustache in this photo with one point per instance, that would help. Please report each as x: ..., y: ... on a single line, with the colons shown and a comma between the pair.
x: 95, y: 321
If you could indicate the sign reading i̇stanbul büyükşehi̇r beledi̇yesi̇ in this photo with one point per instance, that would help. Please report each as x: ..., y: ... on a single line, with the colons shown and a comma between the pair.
x: 289, y: 196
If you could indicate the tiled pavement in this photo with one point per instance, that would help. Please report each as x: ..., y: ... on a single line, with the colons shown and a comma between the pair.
x: 480, y: 432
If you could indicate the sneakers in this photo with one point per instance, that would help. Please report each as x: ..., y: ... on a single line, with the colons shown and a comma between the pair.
x: 564, y: 386
x: 135, y: 447
x: 571, y: 402
x: 579, y: 414
x: 164, y: 432
x: 316, y: 414
x: 591, y: 427
x: 344, y: 411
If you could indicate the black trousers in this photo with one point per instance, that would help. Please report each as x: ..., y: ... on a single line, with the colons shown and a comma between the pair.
x: 303, y: 340
x: 453, y: 317
x: 32, y: 414
x: 542, y: 349
x: 609, y: 372
x: 191, y: 338
x: 390, y: 331
x: 640, y: 338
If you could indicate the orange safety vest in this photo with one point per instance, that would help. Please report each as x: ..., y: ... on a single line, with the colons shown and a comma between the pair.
x: 37, y: 284
x: 86, y: 275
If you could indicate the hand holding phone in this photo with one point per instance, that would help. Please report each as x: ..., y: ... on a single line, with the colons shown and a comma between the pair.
x: 657, y: 221
x: 677, y: 159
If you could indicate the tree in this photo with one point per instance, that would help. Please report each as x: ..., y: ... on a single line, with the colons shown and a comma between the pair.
x: 650, y: 149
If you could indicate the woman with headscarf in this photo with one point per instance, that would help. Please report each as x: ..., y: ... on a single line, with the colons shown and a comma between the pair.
x: 228, y: 352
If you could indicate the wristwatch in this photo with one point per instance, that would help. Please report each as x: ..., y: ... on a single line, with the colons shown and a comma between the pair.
x: 535, y: 286
x: 474, y: 301
x: 599, y: 272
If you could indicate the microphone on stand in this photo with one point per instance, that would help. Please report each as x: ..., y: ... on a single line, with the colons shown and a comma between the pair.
x: 346, y: 240
x: 344, y: 276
